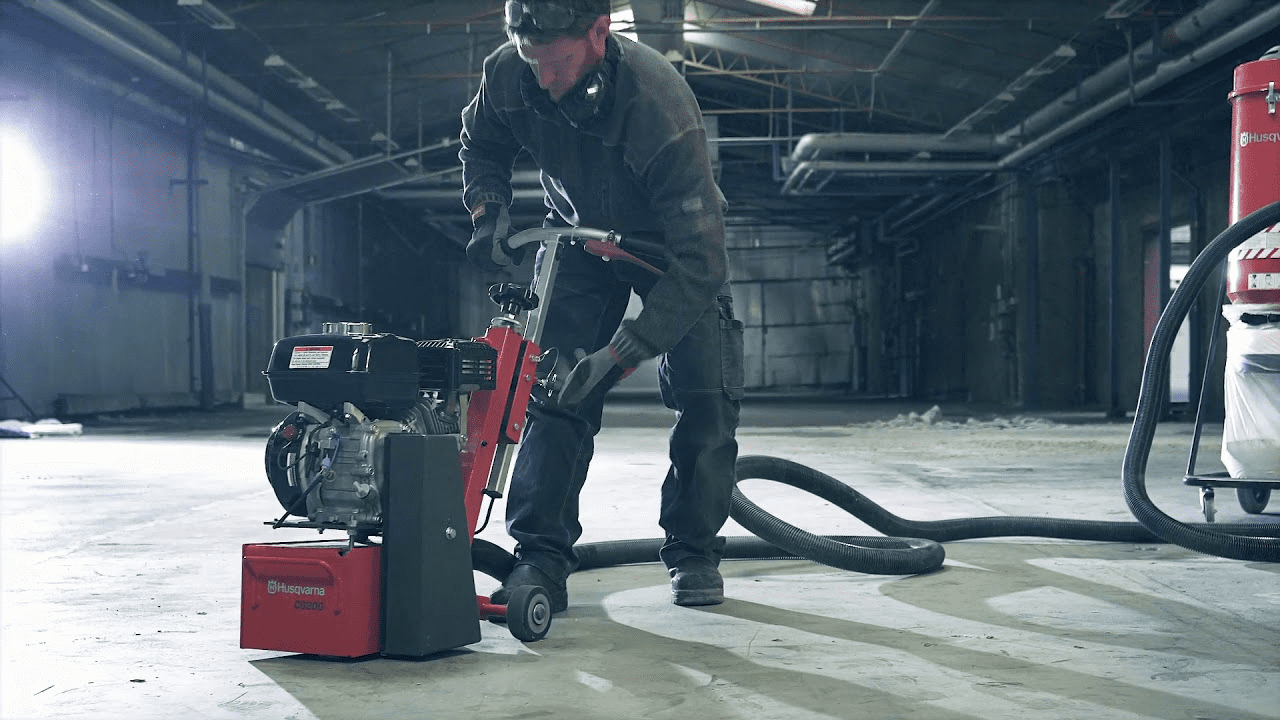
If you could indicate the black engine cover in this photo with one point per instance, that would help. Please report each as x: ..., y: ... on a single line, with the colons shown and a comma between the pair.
x: 373, y: 372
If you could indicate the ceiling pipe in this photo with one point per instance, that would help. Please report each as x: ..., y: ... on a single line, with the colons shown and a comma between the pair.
x: 806, y: 169
x: 84, y: 27
x: 1190, y: 28
x: 1165, y: 72
x: 896, y: 168
x: 119, y: 92
x: 813, y: 144
x: 165, y: 49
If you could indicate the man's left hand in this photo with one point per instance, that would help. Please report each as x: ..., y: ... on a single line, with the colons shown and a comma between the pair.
x: 601, y: 369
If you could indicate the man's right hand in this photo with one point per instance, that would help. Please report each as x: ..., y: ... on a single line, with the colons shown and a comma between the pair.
x: 488, y: 248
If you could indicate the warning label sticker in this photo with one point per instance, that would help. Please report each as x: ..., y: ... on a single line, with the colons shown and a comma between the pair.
x: 1264, y: 281
x: 315, y: 357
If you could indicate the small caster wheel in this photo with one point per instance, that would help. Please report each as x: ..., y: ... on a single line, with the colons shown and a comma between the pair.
x: 529, y: 613
x: 1206, y: 503
x: 1253, y: 498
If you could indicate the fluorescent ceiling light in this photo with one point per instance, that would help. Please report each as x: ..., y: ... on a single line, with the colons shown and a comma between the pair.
x: 799, y: 7
x: 286, y: 70
x: 206, y: 13
x: 381, y: 139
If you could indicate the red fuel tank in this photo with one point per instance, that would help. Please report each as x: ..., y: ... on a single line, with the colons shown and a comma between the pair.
x: 1253, y: 268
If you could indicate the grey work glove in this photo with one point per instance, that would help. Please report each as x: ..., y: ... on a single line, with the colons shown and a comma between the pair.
x: 602, y: 369
x: 488, y: 249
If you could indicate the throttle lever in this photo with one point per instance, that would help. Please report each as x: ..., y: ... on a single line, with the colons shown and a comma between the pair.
x: 611, y: 251
x: 551, y: 381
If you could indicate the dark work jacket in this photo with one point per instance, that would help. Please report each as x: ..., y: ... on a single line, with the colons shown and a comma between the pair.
x: 641, y: 165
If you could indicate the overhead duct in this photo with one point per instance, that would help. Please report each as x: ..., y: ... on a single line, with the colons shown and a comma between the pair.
x: 810, y: 146
x: 1165, y: 72
x: 1192, y: 26
x: 129, y: 52
x: 166, y: 50
x: 804, y: 170
x: 957, y: 139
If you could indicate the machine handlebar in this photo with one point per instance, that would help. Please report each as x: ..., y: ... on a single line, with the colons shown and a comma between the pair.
x: 538, y: 235
x: 601, y: 243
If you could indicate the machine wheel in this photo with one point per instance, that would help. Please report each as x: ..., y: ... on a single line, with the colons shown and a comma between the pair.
x: 1253, y: 498
x: 529, y: 613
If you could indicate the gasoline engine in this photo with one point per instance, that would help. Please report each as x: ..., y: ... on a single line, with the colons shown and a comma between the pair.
x: 352, y: 389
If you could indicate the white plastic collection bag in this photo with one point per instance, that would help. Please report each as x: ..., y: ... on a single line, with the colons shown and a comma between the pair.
x: 1251, y: 432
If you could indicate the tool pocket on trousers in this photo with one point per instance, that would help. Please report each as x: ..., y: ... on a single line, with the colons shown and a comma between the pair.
x: 732, y: 374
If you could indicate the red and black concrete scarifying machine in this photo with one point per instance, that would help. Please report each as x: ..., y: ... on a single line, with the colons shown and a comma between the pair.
x: 396, y: 443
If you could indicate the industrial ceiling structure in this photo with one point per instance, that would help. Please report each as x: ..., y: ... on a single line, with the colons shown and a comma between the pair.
x: 821, y: 113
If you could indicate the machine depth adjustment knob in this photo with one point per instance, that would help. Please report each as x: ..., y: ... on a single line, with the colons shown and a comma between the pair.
x: 513, y: 298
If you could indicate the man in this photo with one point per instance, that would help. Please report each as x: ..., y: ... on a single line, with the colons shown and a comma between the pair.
x: 619, y: 140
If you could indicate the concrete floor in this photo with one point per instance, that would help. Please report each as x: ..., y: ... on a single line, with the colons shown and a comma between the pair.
x: 121, y: 581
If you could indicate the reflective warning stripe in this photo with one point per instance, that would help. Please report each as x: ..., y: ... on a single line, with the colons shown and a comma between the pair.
x: 1260, y: 254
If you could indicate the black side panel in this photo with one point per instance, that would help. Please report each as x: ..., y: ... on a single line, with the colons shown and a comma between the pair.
x: 429, y: 593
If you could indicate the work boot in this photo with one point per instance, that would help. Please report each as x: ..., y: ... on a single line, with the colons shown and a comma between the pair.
x: 527, y: 574
x: 696, y: 580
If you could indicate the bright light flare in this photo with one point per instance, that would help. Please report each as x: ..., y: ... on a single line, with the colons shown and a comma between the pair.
x: 23, y: 186
x: 626, y: 18
x: 799, y: 7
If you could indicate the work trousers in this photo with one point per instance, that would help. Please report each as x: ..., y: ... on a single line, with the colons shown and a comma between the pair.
x: 701, y: 379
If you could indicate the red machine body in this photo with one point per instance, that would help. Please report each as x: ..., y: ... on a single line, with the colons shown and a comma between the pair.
x: 1254, y: 267
x: 325, y: 599
x: 413, y: 594
x: 496, y: 417
x: 311, y: 597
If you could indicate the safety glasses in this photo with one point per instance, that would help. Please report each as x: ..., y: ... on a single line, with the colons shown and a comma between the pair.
x: 545, y: 16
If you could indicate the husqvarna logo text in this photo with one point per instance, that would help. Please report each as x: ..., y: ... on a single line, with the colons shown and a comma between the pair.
x: 275, y: 586
x: 1248, y: 137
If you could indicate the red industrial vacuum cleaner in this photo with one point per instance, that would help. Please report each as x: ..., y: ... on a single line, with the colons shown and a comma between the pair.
x: 396, y: 443
x: 1251, y: 430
